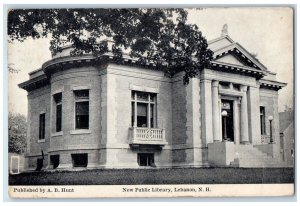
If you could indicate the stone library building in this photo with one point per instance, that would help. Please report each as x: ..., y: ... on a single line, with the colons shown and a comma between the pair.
x: 84, y: 113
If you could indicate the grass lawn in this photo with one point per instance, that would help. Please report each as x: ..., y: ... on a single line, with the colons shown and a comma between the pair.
x: 156, y: 176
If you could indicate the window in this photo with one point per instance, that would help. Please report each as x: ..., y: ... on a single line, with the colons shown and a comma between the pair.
x: 58, y: 101
x: 39, y: 164
x: 54, y: 161
x: 42, y: 127
x: 143, y: 109
x: 82, y: 109
x: 80, y: 160
x: 146, y: 159
x: 262, y: 120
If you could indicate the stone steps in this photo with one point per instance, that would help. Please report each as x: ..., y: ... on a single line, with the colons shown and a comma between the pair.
x: 249, y: 156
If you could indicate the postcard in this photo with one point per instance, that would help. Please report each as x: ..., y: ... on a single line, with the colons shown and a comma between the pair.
x: 151, y: 102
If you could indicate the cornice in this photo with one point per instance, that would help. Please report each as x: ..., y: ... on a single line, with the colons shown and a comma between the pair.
x: 35, y: 83
x: 244, y: 70
x: 270, y: 84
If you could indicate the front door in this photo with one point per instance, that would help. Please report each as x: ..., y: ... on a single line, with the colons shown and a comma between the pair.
x: 227, y: 120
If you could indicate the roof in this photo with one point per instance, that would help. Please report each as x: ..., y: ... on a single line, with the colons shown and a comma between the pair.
x: 224, y: 46
x: 229, y: 56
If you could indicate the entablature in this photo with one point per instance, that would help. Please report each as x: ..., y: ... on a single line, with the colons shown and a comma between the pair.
x: 273, y: 85
x: 238, y: 69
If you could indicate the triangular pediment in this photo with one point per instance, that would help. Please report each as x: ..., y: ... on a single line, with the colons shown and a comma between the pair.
x: 227, y: 51
x: 231, y: 59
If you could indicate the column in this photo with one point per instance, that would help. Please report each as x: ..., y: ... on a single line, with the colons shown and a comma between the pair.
x: 109, y: 122
x: 206, y: 111
x: 236, y: 121
x: 244, y: 116
x: 193, y: 125
x: 215, y: 111
x: 193, y: 112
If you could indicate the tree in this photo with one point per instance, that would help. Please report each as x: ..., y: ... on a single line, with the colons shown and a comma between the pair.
x: 159, y: 36
x: 16, y: 133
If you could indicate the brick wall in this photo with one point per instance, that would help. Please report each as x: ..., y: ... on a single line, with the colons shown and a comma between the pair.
x: 38, y: 102
x: 179, y: 111
x: 68, y: 81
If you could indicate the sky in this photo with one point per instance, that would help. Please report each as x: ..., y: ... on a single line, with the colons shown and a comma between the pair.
x: 267, y: 32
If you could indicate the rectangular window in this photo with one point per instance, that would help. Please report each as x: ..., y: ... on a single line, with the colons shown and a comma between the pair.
x: 58, y: 117
x: 82, y: 109
x: 142, y: 115
x: 58, y: 101
x: 146, y: 159
x: 80, y: 160
x: 143, y: 109
x: 54, y: 161
x: 42, y: 126
x: 262, y: 121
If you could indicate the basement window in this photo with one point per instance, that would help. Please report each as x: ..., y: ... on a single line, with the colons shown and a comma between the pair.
x: 80, y: 160
x: 54, y: 161
x: 146, y: 159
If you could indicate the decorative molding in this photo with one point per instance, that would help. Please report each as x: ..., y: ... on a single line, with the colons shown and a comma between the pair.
x: 41, y: 140
x: 244, y: 88
x: 206, y: 80
x: 35, y: 83
x: 80, y: 131
x: 232, y: 68
x: 56, y: 134
x: 143, y: 88
x: 215, y: 83
x: 112, y: 69
x: 75, y: 147
x: 86, y: 87
x: 273, y: 85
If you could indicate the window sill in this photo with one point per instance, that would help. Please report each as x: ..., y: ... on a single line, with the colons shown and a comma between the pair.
x: 41, y: 140
x: 80, y: 131
x: 57, y: 134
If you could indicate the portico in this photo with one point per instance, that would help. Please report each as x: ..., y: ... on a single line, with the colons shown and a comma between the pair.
x: 231, y: 98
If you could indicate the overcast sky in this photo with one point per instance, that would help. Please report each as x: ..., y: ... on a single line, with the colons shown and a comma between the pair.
x: 267, y: 32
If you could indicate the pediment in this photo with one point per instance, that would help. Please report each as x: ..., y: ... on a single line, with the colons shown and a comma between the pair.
x: 236, y: 53
x: 227, y: 51
x: 231, y: 59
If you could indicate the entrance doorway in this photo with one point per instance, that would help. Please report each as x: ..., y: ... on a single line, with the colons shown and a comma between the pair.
x: 227, y: 120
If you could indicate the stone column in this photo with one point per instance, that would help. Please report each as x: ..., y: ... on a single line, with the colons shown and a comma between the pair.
x: 193, y: 126
x: 215, y: 111
x: 108, y: 122
x: 206, y: 111
x: 236, y: 121
x: 244, y: 116
x: 193, y: 112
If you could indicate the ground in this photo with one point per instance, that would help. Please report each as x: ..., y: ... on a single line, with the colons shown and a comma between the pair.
x: 156, y: 176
